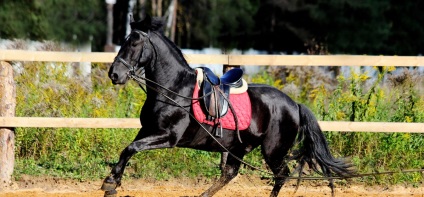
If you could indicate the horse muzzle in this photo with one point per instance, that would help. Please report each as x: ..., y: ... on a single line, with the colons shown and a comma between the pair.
x: 114, y: 77
x: 118, y: 79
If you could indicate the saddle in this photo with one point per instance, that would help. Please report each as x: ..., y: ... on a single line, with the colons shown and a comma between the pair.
x: 218, y: 94
x: 217, y: 91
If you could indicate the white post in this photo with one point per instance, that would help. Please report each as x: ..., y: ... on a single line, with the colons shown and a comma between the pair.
x: 7, y: 135
x: 109, y: 47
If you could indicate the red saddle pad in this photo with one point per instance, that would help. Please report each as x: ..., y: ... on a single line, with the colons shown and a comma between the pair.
x: 241, y: 104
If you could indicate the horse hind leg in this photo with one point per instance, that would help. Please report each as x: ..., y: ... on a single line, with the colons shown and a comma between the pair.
x: 276, y: 161
x: 327, y: 173
x: 274, y: 150
x: 229, y: 171
x: 280, y: 179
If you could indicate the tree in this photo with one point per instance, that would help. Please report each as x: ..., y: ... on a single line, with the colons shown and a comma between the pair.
x: 357, y: 27
x: 386, y: 27
x: 406, y: 28
x: 77, y: 21
x: 221, y: 23
x: 282, y: 26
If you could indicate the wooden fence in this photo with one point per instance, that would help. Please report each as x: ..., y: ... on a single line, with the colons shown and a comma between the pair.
x: 7, y: 120
x: 345, y: 126
x: 259, y: 60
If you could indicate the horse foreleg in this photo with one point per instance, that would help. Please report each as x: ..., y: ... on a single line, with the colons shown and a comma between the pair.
x: 114, y: 179
x: 230, y: 171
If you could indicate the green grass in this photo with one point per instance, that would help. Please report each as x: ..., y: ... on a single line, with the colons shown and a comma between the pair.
x: 46, y: 91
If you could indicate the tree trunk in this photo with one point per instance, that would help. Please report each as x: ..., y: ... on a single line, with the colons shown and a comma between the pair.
x: 174, y: 20
x: 142, y: 8
x: 109, y: 47
x: 159, y: 8
x: 7, y: 135
x: 154, y: 8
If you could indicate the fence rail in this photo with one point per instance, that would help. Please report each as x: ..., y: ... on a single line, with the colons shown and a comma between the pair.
x: 260, y: 60
x: 343, y: 126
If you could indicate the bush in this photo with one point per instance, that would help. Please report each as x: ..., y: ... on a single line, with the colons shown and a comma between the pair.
x: 390, y: 96
x: 47, y: 90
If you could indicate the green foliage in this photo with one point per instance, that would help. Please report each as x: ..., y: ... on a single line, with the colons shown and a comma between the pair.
x: 226, y: 24
x: 76, y: 22
x: 45, y: 90
x: 353, y: 26
x: 385, y: 98
x: 216, y: 23
x: 265, y: 78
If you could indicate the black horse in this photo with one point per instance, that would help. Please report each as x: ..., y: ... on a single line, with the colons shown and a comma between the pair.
x: 278, y: 123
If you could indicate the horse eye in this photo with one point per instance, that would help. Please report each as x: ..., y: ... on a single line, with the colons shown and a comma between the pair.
x: 135, y: 37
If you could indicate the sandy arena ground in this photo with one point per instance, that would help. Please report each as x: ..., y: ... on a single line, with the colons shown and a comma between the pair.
x: 241, y: 186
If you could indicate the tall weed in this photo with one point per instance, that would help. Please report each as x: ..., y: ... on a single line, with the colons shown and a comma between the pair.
x: 389, y: 96
x: 46, y: 90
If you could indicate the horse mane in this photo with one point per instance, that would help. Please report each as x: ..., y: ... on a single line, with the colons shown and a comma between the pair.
x: 155, y: 24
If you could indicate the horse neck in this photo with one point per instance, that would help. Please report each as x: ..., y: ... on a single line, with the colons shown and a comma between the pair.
x: 168, y: 67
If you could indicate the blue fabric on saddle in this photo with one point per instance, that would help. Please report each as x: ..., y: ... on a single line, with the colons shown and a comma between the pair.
x: 218, y: 88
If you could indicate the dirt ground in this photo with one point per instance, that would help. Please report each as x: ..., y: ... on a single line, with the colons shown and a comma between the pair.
x: 241, y: 186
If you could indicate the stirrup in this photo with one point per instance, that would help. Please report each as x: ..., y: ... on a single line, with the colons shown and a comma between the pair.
x: 218, y: 129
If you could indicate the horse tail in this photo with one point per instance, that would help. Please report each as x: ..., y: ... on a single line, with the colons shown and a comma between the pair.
x: 314, y: 148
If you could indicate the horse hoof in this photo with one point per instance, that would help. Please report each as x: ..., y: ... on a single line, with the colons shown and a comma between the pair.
x: 108, y: 187
x: 111, y: 193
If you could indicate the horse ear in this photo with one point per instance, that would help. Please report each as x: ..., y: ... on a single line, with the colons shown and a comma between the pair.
x: 146, y: 23
x: 143, y: 25
x: 147, y: 20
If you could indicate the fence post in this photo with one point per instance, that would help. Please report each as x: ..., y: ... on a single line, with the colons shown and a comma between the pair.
x: 7, y: 135
x: 227, y: 67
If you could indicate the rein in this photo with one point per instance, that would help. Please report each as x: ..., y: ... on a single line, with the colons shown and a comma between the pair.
x: 131, y: 75
x: 139, y: 80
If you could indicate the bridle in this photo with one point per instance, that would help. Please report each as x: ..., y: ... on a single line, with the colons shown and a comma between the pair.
x: 142, y: 81
x: 139, y: 79
x: 132, y: 69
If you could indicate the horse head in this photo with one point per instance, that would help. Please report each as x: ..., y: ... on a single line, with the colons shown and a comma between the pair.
x: 134, y: 54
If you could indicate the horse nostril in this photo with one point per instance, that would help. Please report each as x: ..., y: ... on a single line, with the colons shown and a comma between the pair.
x: 114, y: 76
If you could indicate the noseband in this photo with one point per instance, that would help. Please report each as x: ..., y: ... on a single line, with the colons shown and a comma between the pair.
x: 131, y: 68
